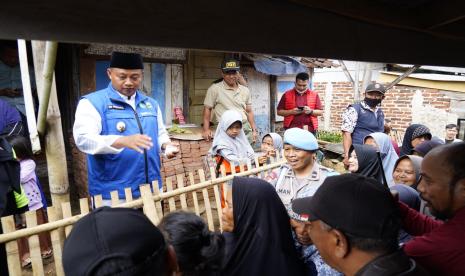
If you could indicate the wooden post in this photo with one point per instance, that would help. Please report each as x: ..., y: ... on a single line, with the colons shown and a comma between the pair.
x: 98, y: 201
x: 114, y: 198
x: 194, y: 194
x: 206, y: 201
x: 54, y: 143
x: 66, y: 208
x: 128, y: 194
x: 156, y: 191
x: 27, y: 95
x: 182, y: 197
x: 219, y: 210
x: 34, y: 245
x: 57, y: 242
x: 148, y: 205
x: 84, y: 206
x: 11, y: 247
x: 169, y: 188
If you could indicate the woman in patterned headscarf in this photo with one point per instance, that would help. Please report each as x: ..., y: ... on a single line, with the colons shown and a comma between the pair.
x: 414, y: 135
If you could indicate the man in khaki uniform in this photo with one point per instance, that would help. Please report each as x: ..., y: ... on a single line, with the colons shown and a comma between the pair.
x: 229, y: 94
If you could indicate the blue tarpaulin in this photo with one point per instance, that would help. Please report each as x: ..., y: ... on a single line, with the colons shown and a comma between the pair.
x: 278, y: 66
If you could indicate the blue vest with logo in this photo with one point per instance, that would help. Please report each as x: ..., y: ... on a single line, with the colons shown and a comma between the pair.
x: 115, y: 172
x: 367, y: 123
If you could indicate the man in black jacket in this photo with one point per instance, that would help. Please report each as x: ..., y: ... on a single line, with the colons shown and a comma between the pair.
x: 354, y: 222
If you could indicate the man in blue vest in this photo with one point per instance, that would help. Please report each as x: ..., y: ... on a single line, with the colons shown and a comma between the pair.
x: 363, y: 118
x: 122, y: 132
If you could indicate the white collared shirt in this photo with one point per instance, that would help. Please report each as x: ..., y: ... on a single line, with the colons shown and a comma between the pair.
x: 87, y: 128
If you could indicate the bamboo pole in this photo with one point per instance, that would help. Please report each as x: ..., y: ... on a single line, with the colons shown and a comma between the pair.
x: 54, y: 144
x: 137, y: 203
x: 11, y: 247
x: 51, y: 48
x: 34, y: 246
x: 27, y: 95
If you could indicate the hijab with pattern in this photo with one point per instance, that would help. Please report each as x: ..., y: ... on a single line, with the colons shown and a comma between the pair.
x: 262, y: 242
x: 368, y: 161
x: 412, y: 132
x: 387, y: 151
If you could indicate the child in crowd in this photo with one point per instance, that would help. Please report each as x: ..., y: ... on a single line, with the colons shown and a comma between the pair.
x: 230, y: 146
x: 28, y: 180
x: 271, y: 144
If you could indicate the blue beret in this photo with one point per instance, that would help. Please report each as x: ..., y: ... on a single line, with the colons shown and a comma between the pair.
x: 300, y: 138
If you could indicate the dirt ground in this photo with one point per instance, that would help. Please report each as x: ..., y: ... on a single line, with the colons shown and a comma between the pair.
x: 49, y: 268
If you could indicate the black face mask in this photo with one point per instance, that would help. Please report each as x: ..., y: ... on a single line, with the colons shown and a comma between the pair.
x: 372, y: 102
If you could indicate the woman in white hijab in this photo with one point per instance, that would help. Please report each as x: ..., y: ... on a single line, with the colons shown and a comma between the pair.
x: 383, y: 143
x: 230, y: 145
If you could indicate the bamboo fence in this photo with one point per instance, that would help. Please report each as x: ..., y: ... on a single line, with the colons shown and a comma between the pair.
x: 184, y: 197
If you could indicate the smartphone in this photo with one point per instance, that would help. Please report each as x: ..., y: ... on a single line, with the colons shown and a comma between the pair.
x: 301, y: 107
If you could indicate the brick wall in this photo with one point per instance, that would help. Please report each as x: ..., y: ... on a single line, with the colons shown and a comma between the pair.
x: 397, y: 105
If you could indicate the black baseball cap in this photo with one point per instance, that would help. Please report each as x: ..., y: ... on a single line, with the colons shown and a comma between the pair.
x: 230, y: 65
x: 354, y: 204
x: 111, y: 241
x: 376, y: 87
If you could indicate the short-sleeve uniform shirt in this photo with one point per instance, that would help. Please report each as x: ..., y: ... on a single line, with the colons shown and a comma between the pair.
x: 222, y: 97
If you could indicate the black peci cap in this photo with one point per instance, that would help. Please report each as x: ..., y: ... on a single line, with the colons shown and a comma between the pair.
x: 114, y: 241
x: 353, y: 204
x: 126, y: 61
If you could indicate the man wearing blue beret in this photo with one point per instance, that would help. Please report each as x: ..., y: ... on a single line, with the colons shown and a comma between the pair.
x: 301, y: 177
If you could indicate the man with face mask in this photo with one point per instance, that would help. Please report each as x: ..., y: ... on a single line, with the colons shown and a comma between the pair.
x: 300, y: 106
x: 363, y: 118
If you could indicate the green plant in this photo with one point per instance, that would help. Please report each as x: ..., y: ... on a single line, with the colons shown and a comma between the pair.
x: 329, y: 136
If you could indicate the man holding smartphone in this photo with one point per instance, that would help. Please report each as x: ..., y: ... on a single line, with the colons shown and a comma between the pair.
x: 300, y: 106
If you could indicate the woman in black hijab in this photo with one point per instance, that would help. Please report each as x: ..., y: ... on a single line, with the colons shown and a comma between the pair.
x: 257, y: 231
x: 364, y: 160
x: 414, y: 135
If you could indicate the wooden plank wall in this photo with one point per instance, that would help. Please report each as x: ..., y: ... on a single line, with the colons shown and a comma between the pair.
x: 204, y: 69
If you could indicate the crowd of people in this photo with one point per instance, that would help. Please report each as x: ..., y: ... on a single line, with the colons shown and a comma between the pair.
x: 397, y: 210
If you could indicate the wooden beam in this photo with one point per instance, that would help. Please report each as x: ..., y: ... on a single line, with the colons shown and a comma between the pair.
x: 403, y: 76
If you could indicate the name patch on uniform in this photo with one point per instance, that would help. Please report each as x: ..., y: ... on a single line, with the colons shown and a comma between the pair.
x: 147, y: 114
x: 115, y: 107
